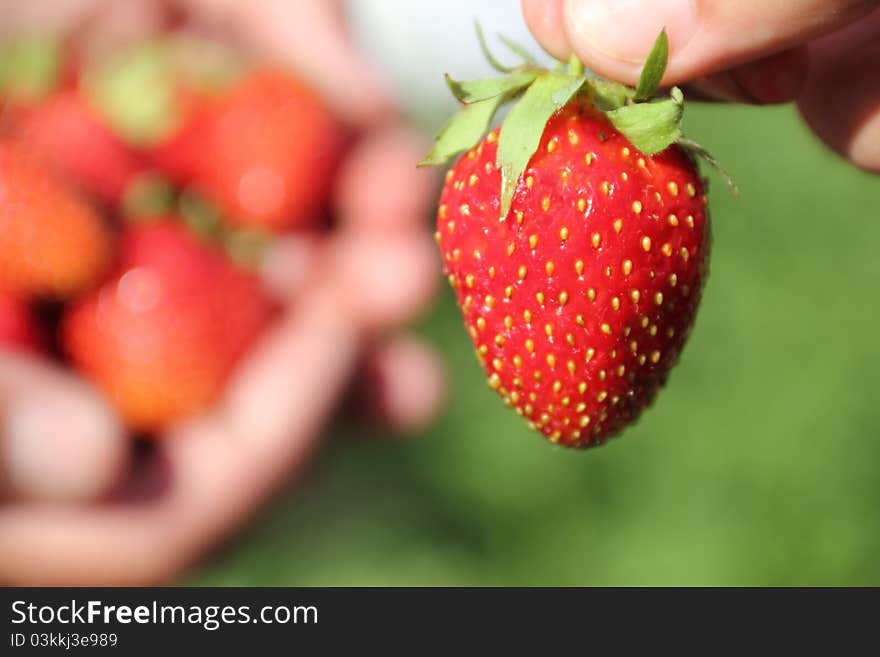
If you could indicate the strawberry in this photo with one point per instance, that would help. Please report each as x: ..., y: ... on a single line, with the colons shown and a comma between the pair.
x: 161, y: 336
x: 71, y: 136
x: 178, y: 153
x: 263, y: 151
x: 18, y: 329
x: 576, y: 245
x: 54, y: 244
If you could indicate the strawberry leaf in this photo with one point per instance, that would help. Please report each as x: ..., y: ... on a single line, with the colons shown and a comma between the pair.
x: 246, y: 246
x: 655, y: 66
x: 201, y: 217
x: 29, y: 67
x: 134, y: 91
x: 463, y: 130
x: 650, y: 122
x: 652, y: 126
x: 608, y: 95
x: 562, y: 95
x: 517, y: 49
x: 522, y: 129
x: 470, y: 91
x: 494, y: 63
x: 699, y: 151
x: 148, y: 195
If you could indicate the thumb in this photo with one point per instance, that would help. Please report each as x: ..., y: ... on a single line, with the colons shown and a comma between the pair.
x: 613, y: 37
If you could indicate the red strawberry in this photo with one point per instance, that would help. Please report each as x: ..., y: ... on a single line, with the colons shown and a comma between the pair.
x: 580, y: 294
x: 71, y: 136
x: 18, y: 330
x: 161, y: 336
x: 53, y: 243
x: 178, y: 154
x: 263, y: 151
x: 580, y: 301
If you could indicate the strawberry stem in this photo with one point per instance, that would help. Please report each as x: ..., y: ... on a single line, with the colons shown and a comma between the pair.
x: 650, y: 120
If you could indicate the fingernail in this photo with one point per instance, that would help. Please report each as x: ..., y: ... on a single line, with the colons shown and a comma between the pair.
x: 625, y: 30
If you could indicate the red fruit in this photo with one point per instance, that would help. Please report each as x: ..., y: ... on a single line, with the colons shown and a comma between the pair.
x: 576, y: 239
x: 581, y: 298
x: 161, y: 336
x: 177, y: 156
x: 53, y: 243
x: 18, y: 330
x: 263, y: 151
x: 69, y: 135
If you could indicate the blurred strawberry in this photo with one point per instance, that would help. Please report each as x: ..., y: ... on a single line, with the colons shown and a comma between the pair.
x: 145, y: 92
x: 18, y: 329
x: 263, y: 151
x: 70, y: 135
x: 54, y: 244
x: 178, y: 153
x: 162, y: 335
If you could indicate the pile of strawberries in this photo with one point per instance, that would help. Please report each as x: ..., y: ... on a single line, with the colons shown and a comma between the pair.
x: 121, y: 230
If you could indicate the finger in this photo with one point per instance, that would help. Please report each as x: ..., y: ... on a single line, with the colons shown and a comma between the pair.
x: 382, y: 252
x: 841, y: 99
x: 402, y: 385
x: 613, y: 37
x: 379, y: 186
x: 26, y: 17
x: 94, y: 25
x: 59, y: 441
x: 289, y: 383
x: 386, y: 279
x: 287, y: 265
x: 777, y: 78
x: 220, y: 467
x: 113, y: 25
x: 310, y: 36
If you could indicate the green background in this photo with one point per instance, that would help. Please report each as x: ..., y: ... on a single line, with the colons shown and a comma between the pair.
x: 757, y: 465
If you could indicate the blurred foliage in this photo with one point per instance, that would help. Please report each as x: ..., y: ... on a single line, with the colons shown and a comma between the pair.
x: 758, y: 465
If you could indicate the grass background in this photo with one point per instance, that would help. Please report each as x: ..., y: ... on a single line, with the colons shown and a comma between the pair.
x: 757, y: 465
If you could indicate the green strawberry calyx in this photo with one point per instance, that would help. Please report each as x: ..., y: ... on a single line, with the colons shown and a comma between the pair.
x: 30, y: 67
x: 649, y: 118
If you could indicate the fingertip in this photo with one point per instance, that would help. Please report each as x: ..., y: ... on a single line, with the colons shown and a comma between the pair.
x: 61, y: 443
x: 614, y: 38
x: 385, y: 280
x: 379, y: 186
x: 841, y: 98
x: 287, y: 265
x: 403, y: 385
x: 864, y: 149
x: 544, y: 20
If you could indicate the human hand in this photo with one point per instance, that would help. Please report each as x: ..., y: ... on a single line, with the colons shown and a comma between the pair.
x: 822, y: 53
x: 343, y: 293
